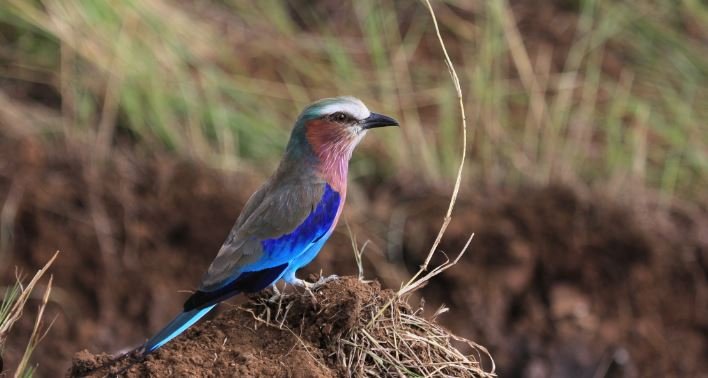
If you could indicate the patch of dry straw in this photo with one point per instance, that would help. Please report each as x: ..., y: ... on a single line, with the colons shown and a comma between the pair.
x: 386, y: 337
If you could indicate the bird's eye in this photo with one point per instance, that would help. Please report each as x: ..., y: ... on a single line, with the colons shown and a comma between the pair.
x: 339, y: 117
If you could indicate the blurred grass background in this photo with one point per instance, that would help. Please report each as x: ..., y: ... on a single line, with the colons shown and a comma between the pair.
x: 589, y: 91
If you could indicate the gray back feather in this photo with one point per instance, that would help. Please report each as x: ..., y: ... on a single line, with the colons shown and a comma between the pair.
x: 277, y: 208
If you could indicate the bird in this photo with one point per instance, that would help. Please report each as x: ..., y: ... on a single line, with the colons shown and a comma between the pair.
x: 285, y: 223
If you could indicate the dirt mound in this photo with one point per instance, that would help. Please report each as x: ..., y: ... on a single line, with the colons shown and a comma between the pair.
x: 312, y: 334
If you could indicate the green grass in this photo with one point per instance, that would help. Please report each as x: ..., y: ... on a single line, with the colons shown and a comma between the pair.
x: 222, y: 81
x: 8, y: 300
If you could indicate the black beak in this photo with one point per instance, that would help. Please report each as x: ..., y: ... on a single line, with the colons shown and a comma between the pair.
x: 378, y: 120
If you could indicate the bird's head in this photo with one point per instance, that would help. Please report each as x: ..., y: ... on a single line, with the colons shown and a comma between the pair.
x: 330, y: 129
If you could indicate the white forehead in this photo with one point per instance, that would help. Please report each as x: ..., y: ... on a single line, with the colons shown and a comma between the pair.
x: 349, y: 105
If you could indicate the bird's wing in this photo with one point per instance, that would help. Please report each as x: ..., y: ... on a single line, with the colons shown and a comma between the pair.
x: 277, y: 224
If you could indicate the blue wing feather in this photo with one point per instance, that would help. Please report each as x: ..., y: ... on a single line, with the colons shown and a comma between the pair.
x: 296, y: 248
x: 309, y: 235
x: 316, y: 226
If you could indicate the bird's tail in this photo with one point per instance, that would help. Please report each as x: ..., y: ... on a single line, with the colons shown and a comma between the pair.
x: 175, y: 327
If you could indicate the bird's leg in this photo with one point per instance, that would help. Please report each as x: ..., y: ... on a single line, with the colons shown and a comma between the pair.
x: 290, y: 278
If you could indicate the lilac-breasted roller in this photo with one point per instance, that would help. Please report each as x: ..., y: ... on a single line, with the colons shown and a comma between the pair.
x: 286, y: 222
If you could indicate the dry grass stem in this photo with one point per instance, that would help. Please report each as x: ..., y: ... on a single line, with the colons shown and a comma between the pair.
x: 417, y: 281
x: 11, y: 311
x: 463, y: 116
x: 15, y: 311
x: 37, y: 335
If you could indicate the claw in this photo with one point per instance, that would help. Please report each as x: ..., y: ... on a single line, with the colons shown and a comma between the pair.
x: 276, y: 296
x: 313, y: 286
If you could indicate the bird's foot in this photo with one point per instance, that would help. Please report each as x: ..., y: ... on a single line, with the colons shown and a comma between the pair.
x: 301, y: 283
x: 308, y: 286
x: 314, y: 285
x: 324, y: 280
x: 277, y: 296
